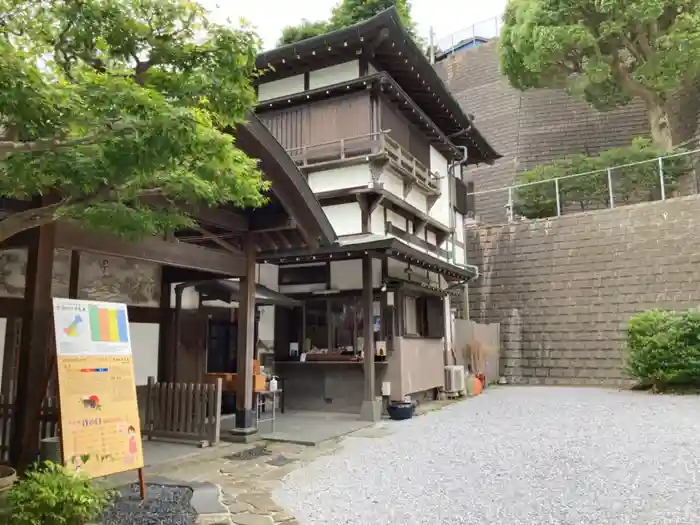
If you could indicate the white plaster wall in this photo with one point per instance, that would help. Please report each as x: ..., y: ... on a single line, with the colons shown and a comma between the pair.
x: 347, y: 275
x: 190, y: 298
x: 346, y: 219
x: 340, y: 178
x: 334, y: 74
x: 396, y: 268
x: 459, y: 227
x: 267, y: 275
x: 281, y: 88
x: 397, y: 220
x: 460, y: 255
x: 417, y: 199
x: 377, y: 221
x: 144, y: 347
x: 430, y: 237
x: 392, y: 183
x: 440, y: 211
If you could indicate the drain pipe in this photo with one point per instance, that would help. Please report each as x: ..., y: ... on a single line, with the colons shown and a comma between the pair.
x: 447, y: 308
x: 451, y: 169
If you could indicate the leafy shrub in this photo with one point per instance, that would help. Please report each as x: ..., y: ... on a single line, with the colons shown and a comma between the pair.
x: 53, y: 495
x: 631, y: 184
x: 663, y: 348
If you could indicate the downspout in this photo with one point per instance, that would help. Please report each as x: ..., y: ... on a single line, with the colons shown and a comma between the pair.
x: 449, y: 335
x: 461, y: 163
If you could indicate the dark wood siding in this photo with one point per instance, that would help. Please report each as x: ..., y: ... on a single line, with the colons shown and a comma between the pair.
x: 320, y: 122
x: 289, y: 126
x: 402, y: 131
x: 460, y: 193
x: 339, y: 118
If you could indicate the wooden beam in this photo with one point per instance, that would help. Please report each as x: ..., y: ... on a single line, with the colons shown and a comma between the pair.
x: 35, y: 361
x: 221, y: 218
x: 154, y: 250
x: 20, y: 240
x: 219, y: 241
x: 267, y: 222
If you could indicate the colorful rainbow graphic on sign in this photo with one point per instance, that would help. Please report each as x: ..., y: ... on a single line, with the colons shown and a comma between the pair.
x: 108, y: 325
x: 72, y: 329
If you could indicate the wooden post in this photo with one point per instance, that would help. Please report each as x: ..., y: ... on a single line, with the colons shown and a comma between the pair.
x: 142, y: 485
x: 175, y: 353
x: 245, y: 414
x: 164, y: 350
x: 149, y: 407
x: 216, y: 415
x: 33, y: 370
x: 371, y: 410
x: 74, y: 278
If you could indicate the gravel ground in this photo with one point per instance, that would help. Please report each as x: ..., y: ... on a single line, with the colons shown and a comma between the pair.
x: 516, y: 455
x: 163, y: 506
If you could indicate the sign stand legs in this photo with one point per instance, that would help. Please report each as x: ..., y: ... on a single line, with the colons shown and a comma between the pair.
x: 142, y: 485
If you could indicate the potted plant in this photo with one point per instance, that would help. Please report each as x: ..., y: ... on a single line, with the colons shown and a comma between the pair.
x: 53, y: 495
x: 8, y: 476
x: 400, y: 410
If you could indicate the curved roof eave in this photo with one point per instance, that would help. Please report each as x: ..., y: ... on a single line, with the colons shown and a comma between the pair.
x: 288, y: 184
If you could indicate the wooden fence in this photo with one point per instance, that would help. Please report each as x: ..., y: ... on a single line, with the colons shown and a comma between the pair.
x: 48, y: 422
x: 184, y: 411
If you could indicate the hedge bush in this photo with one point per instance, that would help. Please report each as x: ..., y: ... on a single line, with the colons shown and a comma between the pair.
x: 663, y: 348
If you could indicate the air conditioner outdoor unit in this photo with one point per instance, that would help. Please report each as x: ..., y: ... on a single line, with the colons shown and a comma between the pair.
x: 454, y: 379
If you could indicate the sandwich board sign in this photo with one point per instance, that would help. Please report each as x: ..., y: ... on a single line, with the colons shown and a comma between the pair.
x: 99, y: 421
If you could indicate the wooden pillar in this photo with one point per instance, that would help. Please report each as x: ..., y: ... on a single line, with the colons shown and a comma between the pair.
x: 74, y: 277
x: 245, y: 411
x: 165, y: 356
x: 175, y: 353
x: 371, y: 409
x: 36, y: 360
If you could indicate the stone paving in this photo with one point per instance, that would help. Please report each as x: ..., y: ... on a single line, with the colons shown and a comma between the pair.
x: 247, y: 475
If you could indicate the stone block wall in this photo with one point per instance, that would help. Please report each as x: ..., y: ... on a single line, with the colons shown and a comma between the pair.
x: 564, y: 289
x: 539, y: 125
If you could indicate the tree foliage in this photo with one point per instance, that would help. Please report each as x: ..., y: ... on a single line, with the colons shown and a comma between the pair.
x: 608, y: 51
x: 633, y: 180
x: 347, y: 13
x: 306, y: 29
x: 113, y: 110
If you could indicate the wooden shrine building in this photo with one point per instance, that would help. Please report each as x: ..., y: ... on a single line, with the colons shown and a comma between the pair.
x: 225, y: 245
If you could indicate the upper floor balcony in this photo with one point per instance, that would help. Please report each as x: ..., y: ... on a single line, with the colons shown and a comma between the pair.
x: 376, y: 147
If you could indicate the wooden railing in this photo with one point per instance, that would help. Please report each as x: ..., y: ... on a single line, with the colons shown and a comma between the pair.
x: 363, y: 146
x: 414, y: 239
x: 183, y: 411
x: 408, y: 163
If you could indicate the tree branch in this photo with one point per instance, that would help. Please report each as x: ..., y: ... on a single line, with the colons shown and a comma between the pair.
x: 9, y: 147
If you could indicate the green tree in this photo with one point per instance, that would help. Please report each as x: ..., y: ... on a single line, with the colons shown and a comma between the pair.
x: 347, y: 13
x: 608, y: 51
x: 114, y: 110
x: 306, y: 29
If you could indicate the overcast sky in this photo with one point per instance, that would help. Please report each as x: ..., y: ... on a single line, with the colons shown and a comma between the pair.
x: 445, y: 16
